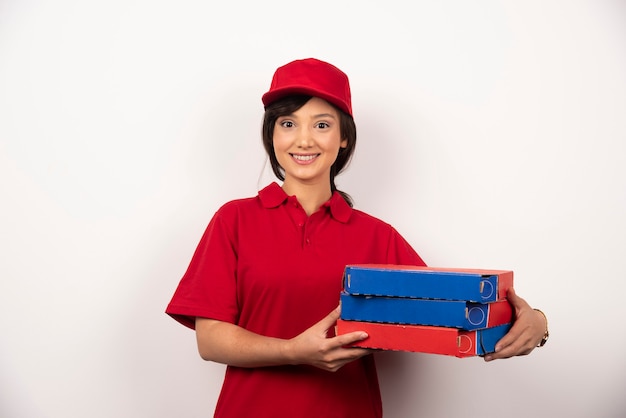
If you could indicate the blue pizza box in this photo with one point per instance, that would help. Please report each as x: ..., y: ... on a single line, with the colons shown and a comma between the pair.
x: 475, y: 285
x: 445, y: 313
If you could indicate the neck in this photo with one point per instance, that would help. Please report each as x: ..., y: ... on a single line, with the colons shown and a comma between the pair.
x: 310, y: 196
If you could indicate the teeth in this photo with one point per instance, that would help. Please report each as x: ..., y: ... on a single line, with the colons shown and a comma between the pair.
x: 303, y: 157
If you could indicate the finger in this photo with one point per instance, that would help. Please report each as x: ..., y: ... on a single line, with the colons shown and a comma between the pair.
x: 510, y: 337
x: 347, y: 355
x: 515, y: 342
x: 506, y: 350
x: 517, y: 328
x: 511, y: 295
x: 326, y: 323
x: 330, y: 319
x: 517, y: 302
x: 517, y: 348
x: 350, y: 338
x: 356, y: 352
x: 514, y: 335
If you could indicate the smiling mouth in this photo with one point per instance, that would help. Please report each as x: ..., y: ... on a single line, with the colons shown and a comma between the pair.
x: 304, y: 158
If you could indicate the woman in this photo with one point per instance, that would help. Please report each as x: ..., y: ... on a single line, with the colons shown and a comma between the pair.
x: 263, y: 286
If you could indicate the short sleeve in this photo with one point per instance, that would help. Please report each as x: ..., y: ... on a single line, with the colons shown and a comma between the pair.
x: 208, y: 287
x: 400, y: 252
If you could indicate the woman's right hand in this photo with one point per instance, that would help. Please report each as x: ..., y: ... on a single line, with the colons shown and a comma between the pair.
x: 315, y: 348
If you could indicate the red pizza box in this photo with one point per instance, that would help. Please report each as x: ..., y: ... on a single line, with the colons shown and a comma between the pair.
x: 475, y: 285
x: 425, y: 339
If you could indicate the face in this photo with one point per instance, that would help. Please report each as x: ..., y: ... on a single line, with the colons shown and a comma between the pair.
x: 307, y: 142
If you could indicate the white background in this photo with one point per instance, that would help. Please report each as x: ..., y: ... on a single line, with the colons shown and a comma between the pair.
x: 491, y: 134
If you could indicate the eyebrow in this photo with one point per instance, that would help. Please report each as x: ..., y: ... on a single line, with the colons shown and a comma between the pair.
x: 324, y: 115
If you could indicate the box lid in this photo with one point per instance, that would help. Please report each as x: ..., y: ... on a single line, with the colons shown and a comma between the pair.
x: 476, y: 285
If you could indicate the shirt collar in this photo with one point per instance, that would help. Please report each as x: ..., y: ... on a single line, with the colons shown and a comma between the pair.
x: 273, y: 196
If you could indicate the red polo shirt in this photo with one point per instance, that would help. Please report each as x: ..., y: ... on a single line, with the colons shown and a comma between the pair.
x: 264, y: 265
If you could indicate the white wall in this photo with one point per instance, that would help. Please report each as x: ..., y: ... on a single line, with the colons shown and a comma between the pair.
x: 491, y: 134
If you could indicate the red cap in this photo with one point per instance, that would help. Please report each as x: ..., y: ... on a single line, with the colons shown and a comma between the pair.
x: 313, y: 77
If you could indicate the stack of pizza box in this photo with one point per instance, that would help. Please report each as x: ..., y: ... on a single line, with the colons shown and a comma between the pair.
x: 450, y: 311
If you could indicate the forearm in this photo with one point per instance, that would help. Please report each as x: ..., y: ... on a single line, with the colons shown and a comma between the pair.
x: 230, y: 344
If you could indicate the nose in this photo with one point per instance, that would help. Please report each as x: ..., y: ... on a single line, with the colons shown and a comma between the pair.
x: 305, y: 138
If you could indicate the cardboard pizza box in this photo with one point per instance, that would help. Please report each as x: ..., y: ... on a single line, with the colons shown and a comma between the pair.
x: 447, y: 313
x: 474, y: 285
x: 425, y: 339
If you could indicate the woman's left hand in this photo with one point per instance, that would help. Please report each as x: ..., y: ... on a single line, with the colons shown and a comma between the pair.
x: 527, y: 330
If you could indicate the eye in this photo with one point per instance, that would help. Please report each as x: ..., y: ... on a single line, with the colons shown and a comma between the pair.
x: 286, y: 124
x: 322, y: 125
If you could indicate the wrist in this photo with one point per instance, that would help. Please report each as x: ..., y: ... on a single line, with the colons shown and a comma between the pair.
x: 287, y: 352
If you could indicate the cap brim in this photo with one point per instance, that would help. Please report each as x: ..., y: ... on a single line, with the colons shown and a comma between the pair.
x: 277, y: 94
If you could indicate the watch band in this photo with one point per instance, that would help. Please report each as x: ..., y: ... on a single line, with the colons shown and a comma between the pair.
x: 545, y: 337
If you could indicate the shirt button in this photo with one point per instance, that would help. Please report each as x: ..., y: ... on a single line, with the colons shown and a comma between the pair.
x: 300, y: 224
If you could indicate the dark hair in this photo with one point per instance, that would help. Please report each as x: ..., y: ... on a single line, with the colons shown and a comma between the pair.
x: 287, y: 106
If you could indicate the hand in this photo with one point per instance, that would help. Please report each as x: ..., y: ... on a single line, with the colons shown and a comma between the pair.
x: 314, y: 348
x: 527, y: 330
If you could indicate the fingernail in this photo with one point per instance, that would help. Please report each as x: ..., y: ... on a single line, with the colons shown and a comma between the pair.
x: 364, y: 335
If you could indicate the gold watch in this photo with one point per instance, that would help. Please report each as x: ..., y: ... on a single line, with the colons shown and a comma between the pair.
x: 544, y: 340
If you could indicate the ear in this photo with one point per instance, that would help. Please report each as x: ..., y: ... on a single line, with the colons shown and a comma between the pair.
x: 344, y: 143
